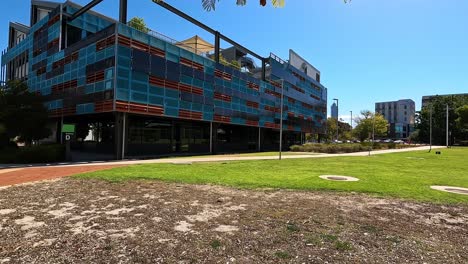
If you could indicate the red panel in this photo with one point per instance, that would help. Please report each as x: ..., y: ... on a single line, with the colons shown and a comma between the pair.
x: 192, y: 64
x: 65, y: 85
x: 157, y: 52
x: 223, y: 119
x: 138, y: 108
x: 251, y: 123
x: 124, y: 41
x: 222, y: 97
x: 53, y: 20
x: 273, y: 93
x: 95, y: 77
x: 252, y: 104
x: 103, y: 106
x: 271, y: 125
x: 139, y: 45
x: 102, y: 44
x: 254, y: 86
x: 190, y: 114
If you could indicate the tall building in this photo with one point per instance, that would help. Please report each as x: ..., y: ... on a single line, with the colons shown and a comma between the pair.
x: 400, y: 116
x: 144, y: 94
x: 334, y: 111
x: 426, y: 100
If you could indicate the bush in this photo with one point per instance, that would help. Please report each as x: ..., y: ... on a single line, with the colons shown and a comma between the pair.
x: 346, y: 147
x: 35, y: 154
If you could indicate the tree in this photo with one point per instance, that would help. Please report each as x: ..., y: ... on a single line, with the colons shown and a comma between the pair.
x: 462, y: 122
x: 438, y: 107
x: 209, y: 5
x: 366, y: 124
x: 22, y: 114
x: 138, y: 23
x: 344, y: 129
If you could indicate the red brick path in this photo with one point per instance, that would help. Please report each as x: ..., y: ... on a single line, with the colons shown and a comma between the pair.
x: 46, y: 173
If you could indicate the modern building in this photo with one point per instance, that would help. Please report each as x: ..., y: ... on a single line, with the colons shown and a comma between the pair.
x: 400, y: 116
x: 334, y: 111
x: 141, y: 94
x: 426, y: 100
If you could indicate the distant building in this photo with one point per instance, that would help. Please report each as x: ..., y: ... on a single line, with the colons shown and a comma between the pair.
x: 334, y: 111
x: 400, y: 116
x: 428, y: 98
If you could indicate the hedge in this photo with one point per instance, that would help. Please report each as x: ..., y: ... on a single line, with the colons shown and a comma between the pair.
x: 34, y: 154
x: 345, y: 148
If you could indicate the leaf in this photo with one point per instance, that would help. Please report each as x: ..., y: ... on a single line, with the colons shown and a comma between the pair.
x: 209, y: 5
x: 277, y: 3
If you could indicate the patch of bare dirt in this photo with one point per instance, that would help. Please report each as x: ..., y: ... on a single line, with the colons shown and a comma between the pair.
x: 81, y: 221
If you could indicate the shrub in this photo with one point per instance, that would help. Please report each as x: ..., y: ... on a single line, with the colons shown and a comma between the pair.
x: 35, y: 154
x: 295, y: 148
x: 345, y: 148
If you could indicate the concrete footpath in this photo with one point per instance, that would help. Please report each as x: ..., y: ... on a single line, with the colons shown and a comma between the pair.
x: 210, y: 158
x: 20, y: 174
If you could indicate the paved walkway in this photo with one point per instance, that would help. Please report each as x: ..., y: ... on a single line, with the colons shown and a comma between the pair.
x: 209, y: 159
x: 24, y: 175
x: 17, y: 174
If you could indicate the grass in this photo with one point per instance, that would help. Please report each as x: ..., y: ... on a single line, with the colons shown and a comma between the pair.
x: 292, y: 227
x: 253, y: 154
x: 282, y: 254
x: 343, y: 245
x: 406, y: 175
x: 215, y: 244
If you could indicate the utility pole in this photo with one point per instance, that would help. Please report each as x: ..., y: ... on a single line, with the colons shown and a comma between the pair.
x: 430, y: 129
x: 373, y: 133
x: 351, y: 119
x: 281, y: 119
x: 337, y: 115
x: 447, y: 125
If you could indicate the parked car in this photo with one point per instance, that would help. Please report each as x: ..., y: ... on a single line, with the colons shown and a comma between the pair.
x: 398, y: 141
x: 388, y: 141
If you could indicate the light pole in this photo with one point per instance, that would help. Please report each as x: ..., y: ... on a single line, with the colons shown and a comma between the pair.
x: 351, y: 119
x: 447, y: 125
x: 373, y: 134
x: 337, y: 124
x: 281, y: 119
x: 430, y: 129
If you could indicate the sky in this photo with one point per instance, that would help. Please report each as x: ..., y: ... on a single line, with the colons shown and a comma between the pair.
x: 367, y: 51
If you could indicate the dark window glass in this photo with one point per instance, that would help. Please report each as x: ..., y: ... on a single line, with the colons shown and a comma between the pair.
x: 140, y: 61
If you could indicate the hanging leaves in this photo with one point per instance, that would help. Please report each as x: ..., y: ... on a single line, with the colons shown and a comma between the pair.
x: 209, y: 5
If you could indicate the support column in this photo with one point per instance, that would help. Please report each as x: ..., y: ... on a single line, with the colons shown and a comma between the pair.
x: 259, y: 147
x: 263, y: 70
x: 211, y: 137
x: 217, y: 46
x: 123, y: 12
x: 214, y: 138
x: 120, y: 129
x: 124, y: 134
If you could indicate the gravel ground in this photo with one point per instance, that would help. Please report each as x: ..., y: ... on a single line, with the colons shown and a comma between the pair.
x: 91, y: 221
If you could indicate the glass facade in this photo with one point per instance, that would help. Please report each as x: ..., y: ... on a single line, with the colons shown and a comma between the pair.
x: 95, y: 65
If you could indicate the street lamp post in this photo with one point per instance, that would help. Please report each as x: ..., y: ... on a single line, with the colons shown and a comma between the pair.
x: 373, y: 134
x: 281, y: 119
x: 430, y: 129
x: 447, y: 125
x: 337, y: 124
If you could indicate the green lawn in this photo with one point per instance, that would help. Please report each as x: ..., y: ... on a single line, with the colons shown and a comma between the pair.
x: 405, y: 175
x: 253, y: 154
